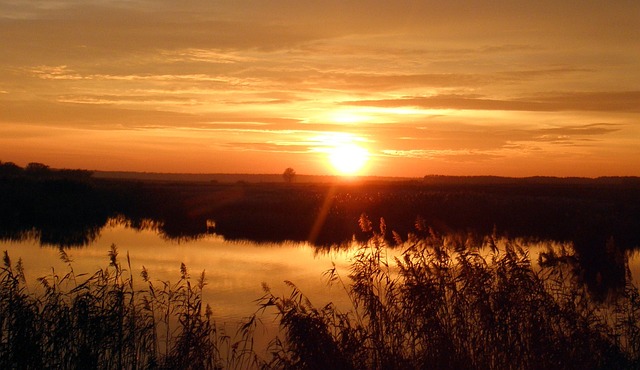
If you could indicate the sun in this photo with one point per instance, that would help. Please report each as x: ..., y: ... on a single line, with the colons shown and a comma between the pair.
x: 342, y: 151
x: 348, y: 158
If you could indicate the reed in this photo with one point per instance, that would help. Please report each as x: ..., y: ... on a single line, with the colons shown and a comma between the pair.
x: 447, y: 302
x: 450, y: 302
x: 105, y: 321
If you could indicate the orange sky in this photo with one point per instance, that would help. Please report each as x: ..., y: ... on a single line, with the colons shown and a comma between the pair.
x: 510, y: 88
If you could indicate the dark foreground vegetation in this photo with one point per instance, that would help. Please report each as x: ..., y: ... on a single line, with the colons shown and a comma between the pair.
x: 448, y: 302
x: 105, y: 321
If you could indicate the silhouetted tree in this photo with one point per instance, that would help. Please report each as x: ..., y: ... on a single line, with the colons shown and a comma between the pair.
x: 289, y: 174
x: 37, y: 169
x: 9, y: 169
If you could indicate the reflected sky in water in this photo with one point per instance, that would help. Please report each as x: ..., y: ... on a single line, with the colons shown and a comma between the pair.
x: 235, y: 271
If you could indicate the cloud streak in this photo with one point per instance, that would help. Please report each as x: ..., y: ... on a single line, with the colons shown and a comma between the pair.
x: 624, y: 101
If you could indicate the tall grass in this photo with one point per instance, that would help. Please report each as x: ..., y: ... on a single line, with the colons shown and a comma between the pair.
x: 449, y: 303
x: 105, y: 321
x: 446, y: 302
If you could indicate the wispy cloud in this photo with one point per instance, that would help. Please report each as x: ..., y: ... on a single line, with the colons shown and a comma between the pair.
x: 624, y: 101
x: 64, y: 73
x: 448, y: 155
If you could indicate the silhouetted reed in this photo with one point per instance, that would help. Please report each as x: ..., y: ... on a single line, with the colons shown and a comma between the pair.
x: 104, y: 321
x: 446, y: 302
x: 451, y: 303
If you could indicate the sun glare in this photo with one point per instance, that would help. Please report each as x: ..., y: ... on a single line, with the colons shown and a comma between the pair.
x: 342, y: 151
x: 348, y: 158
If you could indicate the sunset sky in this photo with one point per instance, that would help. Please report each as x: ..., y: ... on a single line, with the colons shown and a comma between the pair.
x: 509, y: 88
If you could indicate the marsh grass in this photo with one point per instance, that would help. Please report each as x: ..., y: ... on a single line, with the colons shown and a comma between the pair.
x: 448, y: 303
x: 442, y: 302
x: 105, y: 321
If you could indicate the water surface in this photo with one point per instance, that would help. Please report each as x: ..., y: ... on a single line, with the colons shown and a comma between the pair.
x: 234, y: 270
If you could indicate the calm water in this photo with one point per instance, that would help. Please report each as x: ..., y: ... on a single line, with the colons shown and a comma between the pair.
x: 235, y: 271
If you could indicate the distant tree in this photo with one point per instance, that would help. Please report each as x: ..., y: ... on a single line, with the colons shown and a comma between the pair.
x: 289, y: 174
x: 37, y: 169
x: 9, y: 169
